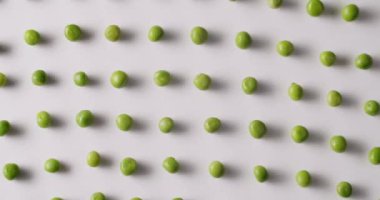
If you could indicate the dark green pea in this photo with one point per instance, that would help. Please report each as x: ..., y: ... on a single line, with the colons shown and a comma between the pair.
x: 295, y: 92
x: 155, y: 33
x: 5, y: 127
x: 249, y: 85
x: 31, y: 37
x: 327, y: 58
x: 39, y: 77
x: 338, y: 143
x: 299, y: 134
x: 119, y: 79
x: 260, y: 173
x: 257, y: 129
x: 212, y: 124
x: 80, y: 79
x: 73, y: 32
x: 274, y: 3
x: 243, y: 40
x: 93, y: 159
x: 199, y: 35
x: 350, y: 12
x: 303, y: 178
x: 363, y: 61
x: 374, y: 155
x: 11, y: 171
x: 43, y: 119
x: 162, y: 78
x: 84, y: 118
x: 98, y: 196
x: 52, y: 165
x: 315, y: 8
x: 202, y: 81
x: 128, y: 166
x: 3, y: 79
x: 344, y: 189
x: 124, y: 122
x: 112, y: 33
x: 171, y: 165
x: 285, y: 48
x: 372, y: 107
x: 334, y: 98
x: 166, y: 124
x: 216, y: 169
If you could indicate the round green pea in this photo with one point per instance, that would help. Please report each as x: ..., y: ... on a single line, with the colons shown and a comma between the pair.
x: 73, y: 32
x: 303, y: 178
x: 112, y: 33
x: 350, y: 12
x: 56, y: 198
x: 32, y: 37
x: 166, y: 124
x: 274, y: 3
x: 260, y: 173
x: 257, y: 129
x: 171, y: 165
x: 136, y: 198
x: 52, y: 165
x: 338, y: 143
x: 3, y: 80
x: 295, y: 92
x: 124, y: 122
x: 98, y: 196
x: 372, y: 107
x: 285, y: 48
x: 243, y: 40
x: 212, y: 124
x: 93, y: 159
x: 84, y: 118
x: 155, y: 33
x: 327, y: 58
x: 202, y: 81
x: 363, y: 61
x: 216, y: 169
x: 80, y: 79
x: 43, y: 119
x: 374, y: 155
x: 344, y: 189
x: 119, y: 79
x: 11, y: 171
x: 334, y: 98
x: 5, y: 127
x: 179, y: 198
x: 39, y: 77
x: 299, y: 134
x: 162, y: 78
x: 128, y: 166
x: 315, y: 8
x: 249, y: 85
x: 199, y: 35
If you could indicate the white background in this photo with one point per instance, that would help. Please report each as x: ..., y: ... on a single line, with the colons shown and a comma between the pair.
x: 29, y: 146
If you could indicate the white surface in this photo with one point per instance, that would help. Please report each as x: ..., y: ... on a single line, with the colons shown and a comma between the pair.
x: 195, y: 149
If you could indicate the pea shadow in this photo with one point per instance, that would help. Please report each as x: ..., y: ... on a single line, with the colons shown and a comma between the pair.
x: 309, y: 95
x: 25, y: 174
x: 4, y: 49
x: 11, y: 82
x: 359, y: 192
x: 342, y: 60
x: 318, y: 181
x: 349, y: 100
x: 273, y: 132
x: 185, y: 167
x: 106, y: 161
x: 99, y: 121
x: 366, y: 15
x: 93, y: 81
x: 169, y: 36
x: 57, y: 122
x: 179, y: 127
x: 64, y: 168
x: 52, y: 79
x: 227, y: 128
x: 263, y: 88
x: 275, y: 176
x: 315, y: 137
x: 46, y: 40
x: 142, y: 170
x: 217, y: 85
x: 230, y: 172
x: 86, y: 35
x: 16, y: 130
x: 355, y: 147
x: 126, y: 35
x: 330, y: 11
x: 288, y: 5
x: 214, y: 38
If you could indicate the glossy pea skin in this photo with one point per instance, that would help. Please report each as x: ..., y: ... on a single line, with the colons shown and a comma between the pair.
x: 363, y: 61
x: 3, y: 80
x: 171, y: 165
x: 155, y: 33
x: 212, y: 124
x: 327, y: 58
x: 43, y: 119
x: 344, y: 189
x: 261, y: 173
x: 374, y: 155
x: 216, y: 169
x: 52, y: 165
x: 285, y: 48
x: 166, y: 124
x: 257, y: 129
x: 11, y: 171
x: 249, y: 85
x: 295, y: 92
x: 31, y: 37
x: 73, y: 32
x: 334, y: 98
x: 119, y: 79
x: 315, y: 8
x: 299, y: 134
x: 98, y: 196
x: 128, y: 166
x: 5, y: 127
x: 80, y: 79
x: 243, y: 40
x: 350, y: 12
x: 202, y: 81
x: 338, y: 143
x: 124, y: 122
x: 303, y: 178
x: 112, y: 33
x: 84, y: 118
x: 199, y: 35
x: 274, y: 3
x: 162, y: 77
x: 372, y: 107
x: 39, y: 77
x: 93, y: 159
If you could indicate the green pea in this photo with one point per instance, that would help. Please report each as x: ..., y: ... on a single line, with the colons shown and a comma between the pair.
x: 73, y: 32
x: 112, y: 33
x: 334, y: 98
x: 338, y: 143
x: 162, y: 78
x: 216, y: 169
x: 212, y: 124
x: 5, y: 127
x: 43, y: 119
x: 32, y: 37
x: 179, y: 198
x: 274, y: 3
x: 350, y: 12
x: 249, y: 85
x: 303, y: 178
x: 202, y: 81
x: 98, y: 196
x: 136, y: 198
x: 56, y: 198
x: 374, y: 155
x: 285, y: 48
x: 124, y: 122
x: 344, y: 189
x: 39, y: 77
x: 155, y: 33
x: 11, y: 171
x: 84, y: 118
x: 52, y: 165
x: 295, y: 92
x: 299, y: 134
x: 315, y: 8
x: 199, y: 35
x: 128, y: 166
x: 257, y: 129
x: 243, y: 40
x: 372, y: 107
x: 260, y: 173
x: 363, y: 61
x: 171, y: 165
x: 327, y: 58
x: 93, y: 159
x: 119, y: 79
x: 166, y: 124
x: 3, y: 79
x: 80, y: 79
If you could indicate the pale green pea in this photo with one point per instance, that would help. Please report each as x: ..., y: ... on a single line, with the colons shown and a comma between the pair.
x: 212, y: 124
x: 162, y: 78
x: 261, y: 173
x: 303, y: 178
x: 3, y: 79
x: 216, y: 169
x: 372, y: 107
x: 155, y: 33
x: 39, y: 77
x: 285, y: 48
x: 374, y: 155
x: 93, y: 159
x: 243, y: 40
x: 136, y: 198
x: 327, y: 58
x: 119, y: 79
x: 315, y: 8
x: 299, y: 134
x: 334, y: 98
x: 43, y: 119
x: 52, y: 165
x: 179, y: 198
x: 98, y: 196
x: 80, y: 79
x: 274, y: 3
x: 202, y: 81
x: 56, y: 198
x: 84, y: 118
x: 338, y: 143
x: 128, y: 166
x: 363, y: 61
x: 257, y: 129
x: 350, y: 12
x: 249, y: 85
x: 166, y: 124
x: 199, y: 35
x: 171, y: 165
x: 295, y: 91
x: 5, y: 127
x: 124, y: 122
x: 31, y: 37
x: 112, y: 33
x: 11, y: 171
x: 73, y: 32
x: 344, y: 189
